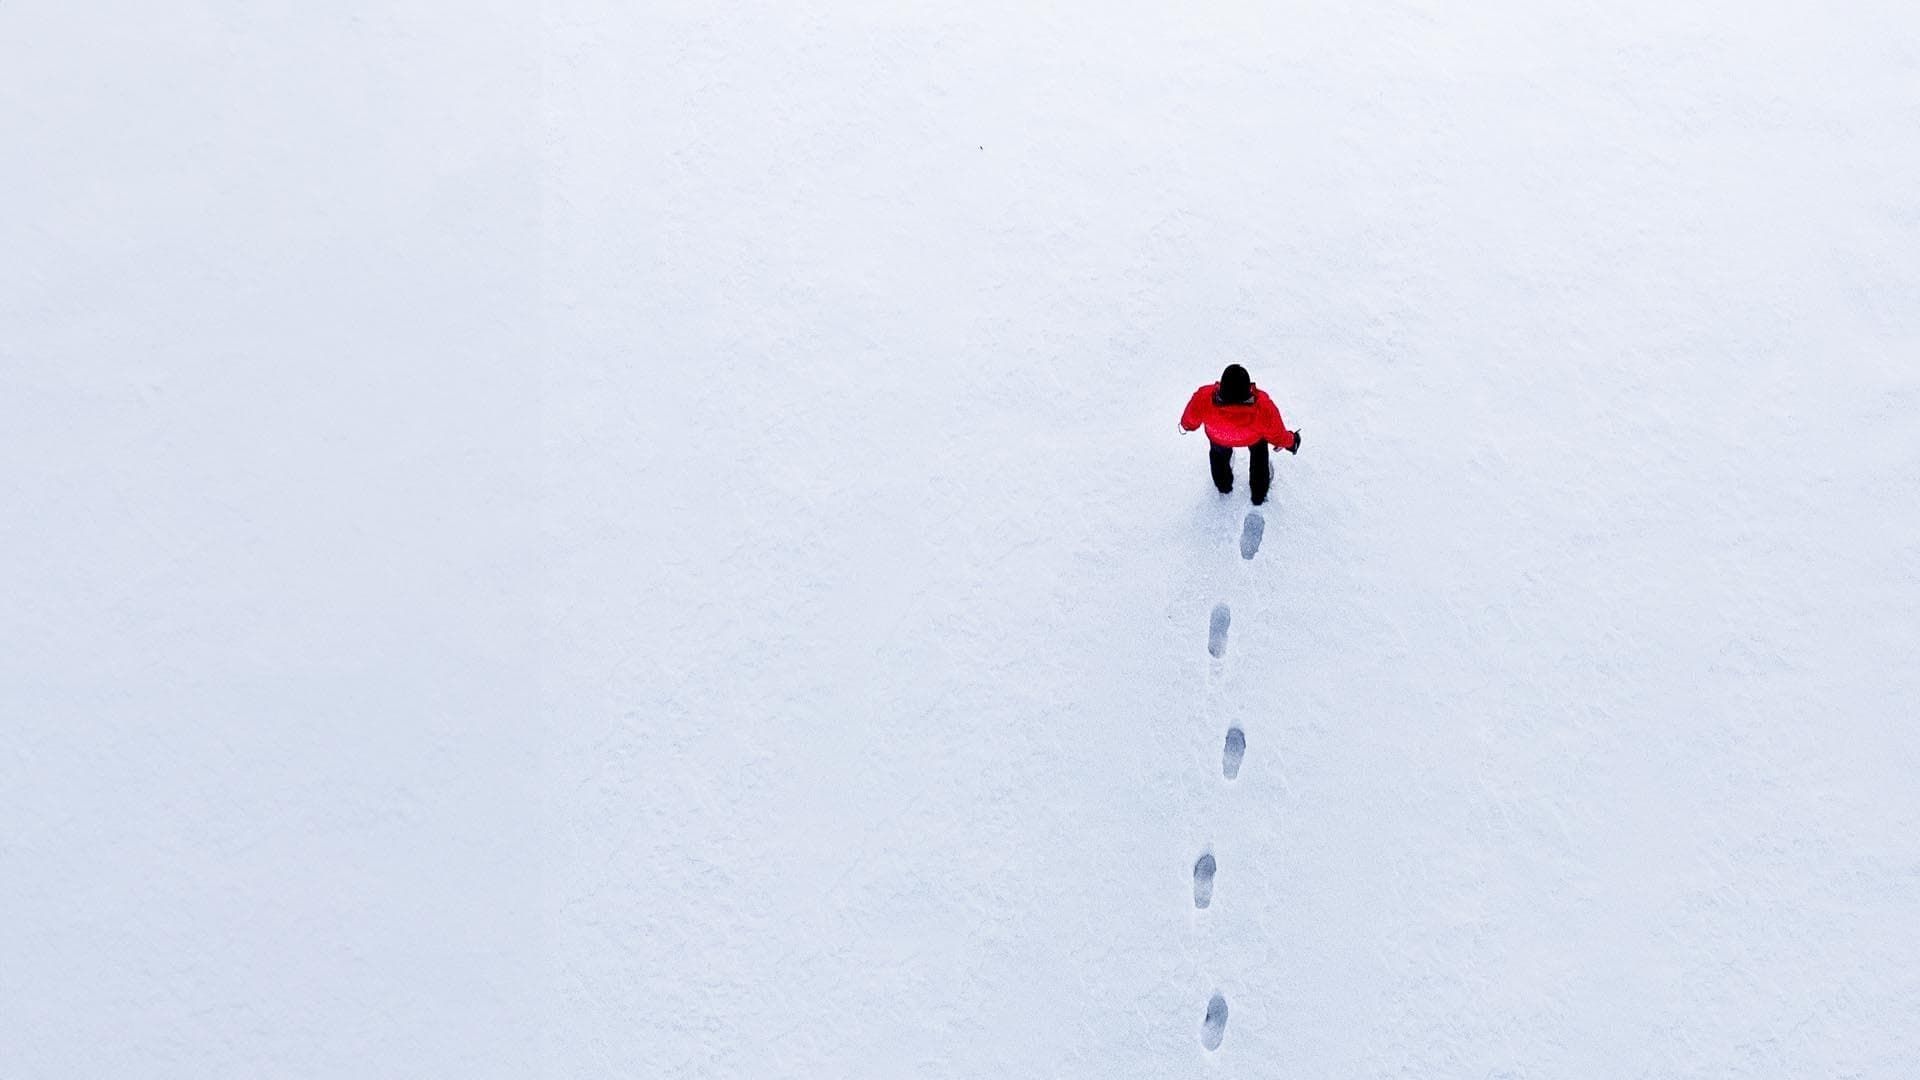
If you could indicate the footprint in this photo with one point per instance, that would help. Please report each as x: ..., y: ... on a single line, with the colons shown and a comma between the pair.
x: 1217, y: 630
x: 1203, y: 880
x: 1236, y: 749
x: 1215, y: 1027
x: 1250, y: 534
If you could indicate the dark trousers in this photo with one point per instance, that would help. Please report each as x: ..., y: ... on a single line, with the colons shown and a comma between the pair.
x: 1221, y: 458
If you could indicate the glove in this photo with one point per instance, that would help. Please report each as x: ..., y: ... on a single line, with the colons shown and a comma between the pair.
x: 1295, y: 448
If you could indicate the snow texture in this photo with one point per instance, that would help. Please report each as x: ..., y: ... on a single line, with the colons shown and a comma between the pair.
x: 618, y: 540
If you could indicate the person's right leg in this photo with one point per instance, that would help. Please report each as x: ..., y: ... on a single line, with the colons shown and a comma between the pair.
x: 1259, y: 471
x: 1221, y: 459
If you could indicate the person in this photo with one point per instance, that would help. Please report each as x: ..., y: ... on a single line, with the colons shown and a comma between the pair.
x: 1237, y: 413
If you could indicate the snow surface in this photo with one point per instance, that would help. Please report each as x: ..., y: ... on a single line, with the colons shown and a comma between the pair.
x: 651, y: 540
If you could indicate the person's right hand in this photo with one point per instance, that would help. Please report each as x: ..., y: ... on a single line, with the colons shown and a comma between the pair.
x: 1295, y: 448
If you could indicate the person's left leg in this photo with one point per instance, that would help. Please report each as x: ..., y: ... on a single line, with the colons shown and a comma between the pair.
x: 1260, y: 472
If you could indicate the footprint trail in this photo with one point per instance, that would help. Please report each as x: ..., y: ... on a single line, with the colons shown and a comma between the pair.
x: 1214, y: 1028
x: 1251, y: 533
x: 1231, y: 755
x: 1203, y: 871
x: 1217, y: 630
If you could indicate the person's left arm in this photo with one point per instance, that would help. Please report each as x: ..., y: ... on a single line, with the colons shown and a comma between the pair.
x: 1275, y: 427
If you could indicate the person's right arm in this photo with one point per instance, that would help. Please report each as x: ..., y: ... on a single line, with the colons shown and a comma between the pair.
x: 1195, y: 415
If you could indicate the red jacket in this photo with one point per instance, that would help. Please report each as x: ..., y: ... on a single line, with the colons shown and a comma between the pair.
x: 1237, y: 425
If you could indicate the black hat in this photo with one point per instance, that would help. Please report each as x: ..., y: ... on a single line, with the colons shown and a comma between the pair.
x: 1235, y: 384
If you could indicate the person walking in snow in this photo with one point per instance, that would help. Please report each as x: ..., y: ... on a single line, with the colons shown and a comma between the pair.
x: 1237, y: 413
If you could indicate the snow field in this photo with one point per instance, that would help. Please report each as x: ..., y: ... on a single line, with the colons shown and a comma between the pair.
x: 649, y: 540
